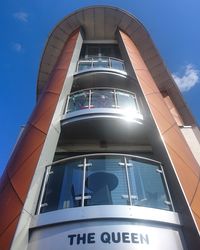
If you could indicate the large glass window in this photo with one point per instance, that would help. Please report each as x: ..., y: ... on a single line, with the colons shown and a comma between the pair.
x: 105, y: 180
x: 100, y: 56
x: 99, y: 50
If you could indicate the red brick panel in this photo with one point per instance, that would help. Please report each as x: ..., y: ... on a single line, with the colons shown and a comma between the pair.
x: 18, y: 174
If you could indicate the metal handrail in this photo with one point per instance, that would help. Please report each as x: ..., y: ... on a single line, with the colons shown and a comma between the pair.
x: 102, y: 88
x: 85, y: 157
x: 102, y: 154
x: 109, y: 57
x: 98, y: 59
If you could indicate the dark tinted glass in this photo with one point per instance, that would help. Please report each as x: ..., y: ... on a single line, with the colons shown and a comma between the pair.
x: 64, y: 187
x: 106, y: 181
x: 93, y: 50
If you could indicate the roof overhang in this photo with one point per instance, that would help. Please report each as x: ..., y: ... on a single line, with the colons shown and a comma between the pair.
x: 101, y: 23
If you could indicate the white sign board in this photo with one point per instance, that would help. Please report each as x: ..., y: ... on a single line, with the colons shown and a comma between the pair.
x: 103, y: 237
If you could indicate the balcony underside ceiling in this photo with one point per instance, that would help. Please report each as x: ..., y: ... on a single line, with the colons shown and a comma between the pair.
x: 95, y: 79
x: 87, y: 130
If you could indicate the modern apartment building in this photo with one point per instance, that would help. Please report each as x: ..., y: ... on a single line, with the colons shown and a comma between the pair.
x: 109, y: 158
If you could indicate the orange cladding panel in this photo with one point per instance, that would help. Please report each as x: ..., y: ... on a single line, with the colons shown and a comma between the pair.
x: 185, y: 165
x: 41, y: 119
x: 17, y: 176
x: 9, y: 203
x: 196, y: 202
x: 24, y: 148
x: 25, y: 173
x: 7, y: 236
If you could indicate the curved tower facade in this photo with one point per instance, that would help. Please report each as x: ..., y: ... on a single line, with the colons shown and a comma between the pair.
x: 109, y: 157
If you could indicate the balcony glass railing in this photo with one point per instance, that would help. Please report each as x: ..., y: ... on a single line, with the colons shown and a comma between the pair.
x: 100, y: 62
x: 103, y: 98
x: 104, y: 179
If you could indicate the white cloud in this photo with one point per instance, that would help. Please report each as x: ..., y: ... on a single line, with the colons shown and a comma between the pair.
x: 17, y: 47
x: 21, y: 16
x: 189, y: 78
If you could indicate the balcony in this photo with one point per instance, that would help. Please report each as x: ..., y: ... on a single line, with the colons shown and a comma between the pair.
x: 100, y: 63
x: 100, y: 72
x: 103, y: 100
x: 111, y: 115
x: 104, y: 179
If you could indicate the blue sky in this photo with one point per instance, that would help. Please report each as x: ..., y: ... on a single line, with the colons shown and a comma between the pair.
x: 25, y: 26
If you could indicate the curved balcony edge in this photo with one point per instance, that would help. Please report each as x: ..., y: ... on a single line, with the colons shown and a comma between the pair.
x: 102, y: 63
x: 89, y: 125
x: 102, y: 183
x: 106, y: 212
x: 100, y: 69
x: 101, y: 112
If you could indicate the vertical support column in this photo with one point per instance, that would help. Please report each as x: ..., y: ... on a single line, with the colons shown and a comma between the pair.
x: 183, y: 161
x: 17, y: 177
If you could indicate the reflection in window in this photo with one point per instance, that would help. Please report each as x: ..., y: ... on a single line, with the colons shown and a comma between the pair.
x: 84, y: 65
x: 147, y: 185
x: 64, y: 187
x: 101, y: 62
x: 117, y: 64
x: 100, y: 50
x: 105, y: 180
x: 103, y: 98
x: 78, y: 101
x: 126, y: 101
